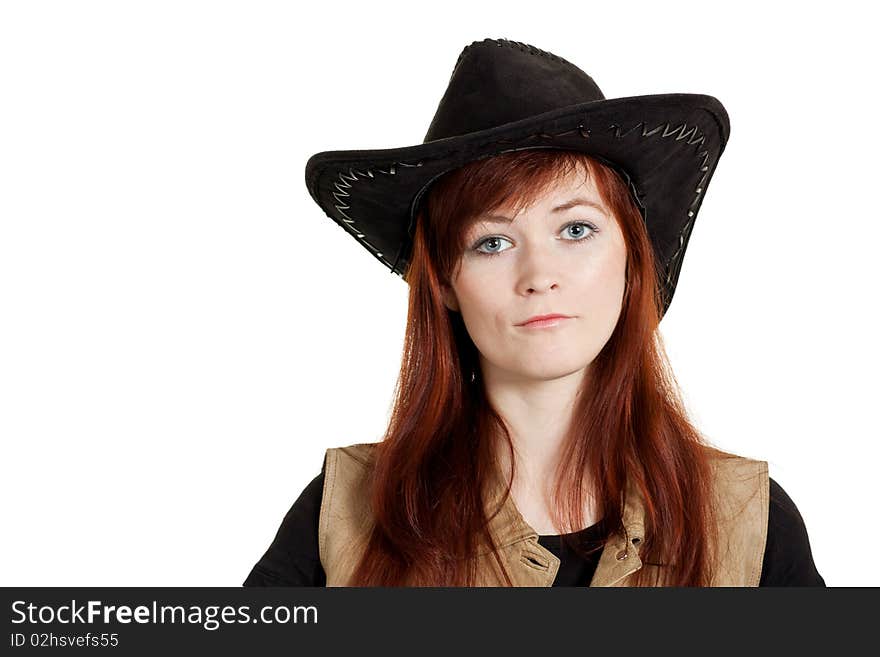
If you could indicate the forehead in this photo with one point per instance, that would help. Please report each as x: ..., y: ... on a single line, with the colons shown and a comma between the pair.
x: 572, y: 188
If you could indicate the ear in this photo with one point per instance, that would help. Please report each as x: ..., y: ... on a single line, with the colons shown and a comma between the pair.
x: 449, y: 298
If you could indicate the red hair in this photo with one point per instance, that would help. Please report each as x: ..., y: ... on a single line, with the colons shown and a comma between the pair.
x: 437, y: 453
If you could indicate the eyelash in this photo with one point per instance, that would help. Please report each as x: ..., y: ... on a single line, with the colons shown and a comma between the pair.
x: 592, y: 233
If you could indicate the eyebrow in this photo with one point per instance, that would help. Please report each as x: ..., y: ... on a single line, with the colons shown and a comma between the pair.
x: 575, y: 202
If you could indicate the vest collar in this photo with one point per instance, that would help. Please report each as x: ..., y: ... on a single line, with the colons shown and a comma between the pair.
x: 620, y: 556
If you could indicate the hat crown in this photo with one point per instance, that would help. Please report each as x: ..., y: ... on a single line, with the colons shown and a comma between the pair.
x: 498, y: 81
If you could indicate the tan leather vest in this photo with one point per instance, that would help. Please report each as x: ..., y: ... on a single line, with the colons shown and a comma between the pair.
x: 741, y: 494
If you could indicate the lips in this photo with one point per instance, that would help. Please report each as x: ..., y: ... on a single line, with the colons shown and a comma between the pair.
x: 541, y: 318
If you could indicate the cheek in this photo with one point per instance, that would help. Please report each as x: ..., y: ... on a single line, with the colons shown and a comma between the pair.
x: 612, y: 282
x: 603, y: 292
x: 481, y: 310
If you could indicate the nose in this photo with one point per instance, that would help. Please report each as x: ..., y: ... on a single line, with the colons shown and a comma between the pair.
x: 538, y: 270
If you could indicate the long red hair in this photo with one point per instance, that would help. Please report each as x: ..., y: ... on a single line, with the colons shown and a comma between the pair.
x: 437, y: 453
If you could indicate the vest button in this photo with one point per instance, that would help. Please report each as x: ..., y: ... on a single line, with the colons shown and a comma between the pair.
x: 622, y: 555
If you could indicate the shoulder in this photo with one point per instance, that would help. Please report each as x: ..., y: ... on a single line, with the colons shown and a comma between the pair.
x: 346, y: 472
x: 788, y: 558
x: 739, y: 480
x: 740, y: 502
x: 356, y: 453
x: 345, y: 517
x: 729, y: 466
x: 740, y: 484
x: 335, y: 497
x: 292, y: 558
x: 346, y: 478
x: 759, y: 520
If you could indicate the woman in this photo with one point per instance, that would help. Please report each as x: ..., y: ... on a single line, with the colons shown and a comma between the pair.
x: 526, y: 450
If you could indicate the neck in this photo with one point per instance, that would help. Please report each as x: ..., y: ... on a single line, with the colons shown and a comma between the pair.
x: 537, y: 414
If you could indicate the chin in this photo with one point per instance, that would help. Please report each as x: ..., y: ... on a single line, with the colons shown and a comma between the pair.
x: 549, y: 371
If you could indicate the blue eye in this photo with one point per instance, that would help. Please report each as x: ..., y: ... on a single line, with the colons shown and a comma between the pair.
x: 581, y: 225
x: 489, y: 240
x: 578, y: 237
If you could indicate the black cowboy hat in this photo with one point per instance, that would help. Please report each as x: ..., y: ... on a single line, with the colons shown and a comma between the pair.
x: 505, y: 96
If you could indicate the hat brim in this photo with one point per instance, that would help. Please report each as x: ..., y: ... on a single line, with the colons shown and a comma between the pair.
x: 666, y: 146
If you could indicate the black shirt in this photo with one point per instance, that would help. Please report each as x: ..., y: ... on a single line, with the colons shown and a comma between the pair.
x: 292, y: 558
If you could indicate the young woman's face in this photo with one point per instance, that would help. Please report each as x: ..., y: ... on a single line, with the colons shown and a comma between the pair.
x: 570, y: 261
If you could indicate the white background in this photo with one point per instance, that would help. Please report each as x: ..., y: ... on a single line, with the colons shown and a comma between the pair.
x: 183, y: 332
